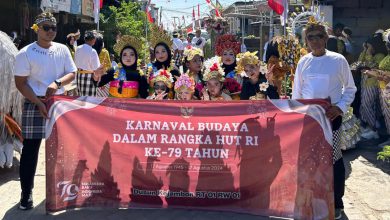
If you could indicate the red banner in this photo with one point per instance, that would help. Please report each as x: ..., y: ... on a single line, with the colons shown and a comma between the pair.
x: 270, y: 157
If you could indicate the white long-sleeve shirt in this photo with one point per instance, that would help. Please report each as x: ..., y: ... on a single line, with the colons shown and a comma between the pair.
x: 323, y: 77
x: 86, y: 58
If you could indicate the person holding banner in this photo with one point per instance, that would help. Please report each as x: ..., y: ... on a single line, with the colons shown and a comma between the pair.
x: 256, y: 85
x: 185, y: 87
x: 104, y: 58
x: 193, y: 60
x: 324, y: 74
x: 42, y: 69
x: 126, y: 80
x: 161, y: 82
x: 214, y: 77
x: 227, y: 47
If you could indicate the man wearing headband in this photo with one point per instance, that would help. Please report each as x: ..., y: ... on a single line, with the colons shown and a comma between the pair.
x: 41, y: 70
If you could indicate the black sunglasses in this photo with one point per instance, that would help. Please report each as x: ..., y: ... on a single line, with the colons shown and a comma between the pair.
x: 47, y: 28
x: 315, y: 37
x: 158, y: 87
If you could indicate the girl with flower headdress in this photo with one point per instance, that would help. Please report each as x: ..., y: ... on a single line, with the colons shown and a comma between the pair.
x: 161, y: 44
x: 126, y: 80
x: 184, y: 87
x: 257, y: 85
x: 227, y: 47
x: 161, y: 82
x: 214, y: 77
x: 193, y: 60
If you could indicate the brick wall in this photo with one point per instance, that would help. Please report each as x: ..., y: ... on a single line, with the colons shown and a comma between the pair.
x: 363, y: 17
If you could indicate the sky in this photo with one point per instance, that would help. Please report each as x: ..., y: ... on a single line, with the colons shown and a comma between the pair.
x: 180, y: 8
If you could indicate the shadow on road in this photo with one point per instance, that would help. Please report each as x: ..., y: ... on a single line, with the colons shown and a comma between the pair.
x: 10, y: 174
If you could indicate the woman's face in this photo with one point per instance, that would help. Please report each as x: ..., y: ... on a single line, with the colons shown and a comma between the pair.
x: 184, y: 94
x: 128, y: 57
x: 161, y: 54
x: 252, y: 71
x: 71, y: 42
x: 228, y: 57
x: 195, y: 65
x: 159, y: 87
x: 214, y: 87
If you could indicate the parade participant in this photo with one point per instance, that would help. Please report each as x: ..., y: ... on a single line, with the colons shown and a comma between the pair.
x: 104, y: 58
x: 372, y: 55
x: 214, y: 78
x: 335, y: 81
x: 184, y: 87
x: 161, y: 82
x: 198, y: 41
x: 87, y: 62
x: 161, y: 43
x: 193, y: 60
x: 227, y: 47
x: 126, y: 80
x: 178, y: 48
x: 256, y: 85
x: 41, y: 70
x: 70, y: 40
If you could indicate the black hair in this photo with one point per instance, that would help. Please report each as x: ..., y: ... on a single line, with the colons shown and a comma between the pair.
x: 378, y: 44
x: 98, y: 46
x: 68, y: 42
x: 132, y: 67
x: 339, y: 26
x: 89, y: 35
x: 166, y: 63
x: 348, y: 31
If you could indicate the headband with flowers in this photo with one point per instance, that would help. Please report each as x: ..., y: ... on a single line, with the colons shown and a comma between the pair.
x: 213, y: 69
x: 246, y: 58
x: 191, y: 52
x: 161, y: 76
x: 185, y: 82
x: 46, y: 16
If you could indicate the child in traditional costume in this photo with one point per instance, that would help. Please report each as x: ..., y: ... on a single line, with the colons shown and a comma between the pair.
x: 193, y: 60
x: 126, y: 80
x: 256, y: 85
x: 185, y: 87
x: 214, y: 77
x: 161, y: 82
x: 227, y: 47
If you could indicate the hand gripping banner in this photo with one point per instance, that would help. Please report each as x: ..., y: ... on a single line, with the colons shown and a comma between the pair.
x: 270, y: 157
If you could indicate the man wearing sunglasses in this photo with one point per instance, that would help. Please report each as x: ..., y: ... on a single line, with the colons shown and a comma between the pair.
x: 41, y: 70
x: 323, y: 74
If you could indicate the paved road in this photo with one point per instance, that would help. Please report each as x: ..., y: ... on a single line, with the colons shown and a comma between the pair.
x: 367, y: 195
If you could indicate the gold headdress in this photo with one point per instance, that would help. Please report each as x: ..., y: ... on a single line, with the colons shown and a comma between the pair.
x: 161, y: 76
x: 246, y: 58
x: 125, y: 41
x: 159, y: 36
x: 191, y: 52
x: 213, y: 70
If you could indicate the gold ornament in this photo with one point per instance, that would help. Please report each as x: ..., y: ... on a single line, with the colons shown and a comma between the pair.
x: 127, y: 40
x: 192, y: 52
x: 213, y: 69
x: 246, y: 58
x: 159, y: 36
x: 35, y: 27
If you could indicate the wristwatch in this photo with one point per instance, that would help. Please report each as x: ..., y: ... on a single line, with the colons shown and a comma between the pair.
x: 58, y: 83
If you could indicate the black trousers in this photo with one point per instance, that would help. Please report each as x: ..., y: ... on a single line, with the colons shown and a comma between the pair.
x: 28, y: 164
x: 339, y: 183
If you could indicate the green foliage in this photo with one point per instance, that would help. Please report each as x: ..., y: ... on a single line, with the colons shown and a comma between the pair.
x: 128, y: 19
x: 385, y: 154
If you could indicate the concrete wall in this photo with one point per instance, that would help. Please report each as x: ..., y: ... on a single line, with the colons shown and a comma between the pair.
x: 364, y: 17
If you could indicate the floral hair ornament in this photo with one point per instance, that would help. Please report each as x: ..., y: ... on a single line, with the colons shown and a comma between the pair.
x: 226, y: 42
x: 191, y: 52
x: 185, y: 82
x: 246, y: 58
x: 161, y: 76
x: 263, y: 86
x: 213, y: 70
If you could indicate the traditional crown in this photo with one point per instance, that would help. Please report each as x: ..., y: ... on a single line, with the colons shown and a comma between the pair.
x: 213, y: 69
x: 161, y: 76
x: 127, y: 40
x: 226, y: 42
x: 159, y: 36
x: 245, y: 59
x: 185, y: 82
x: 313, y: 21
x: 191, y: 52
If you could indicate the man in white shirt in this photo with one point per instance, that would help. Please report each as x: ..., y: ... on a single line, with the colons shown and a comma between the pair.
x: 87, y: 62
x: 178, y: 48
x: 41, y: 70
x: 198, y: 41
x: 324, y: 74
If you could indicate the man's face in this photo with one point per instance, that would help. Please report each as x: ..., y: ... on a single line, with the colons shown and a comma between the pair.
x: 47, y: 31
x: 198, y: 33
x: 316, y: 40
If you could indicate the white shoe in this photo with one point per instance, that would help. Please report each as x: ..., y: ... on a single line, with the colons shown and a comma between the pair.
x: 382, y: 145
x: 370, y: 135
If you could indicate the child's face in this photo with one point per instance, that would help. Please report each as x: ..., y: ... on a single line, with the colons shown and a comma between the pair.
x: 195, y: 65
x: 184, y: 94
x: 159, y: 87
x: 214, y: 87
x: 228, y: 57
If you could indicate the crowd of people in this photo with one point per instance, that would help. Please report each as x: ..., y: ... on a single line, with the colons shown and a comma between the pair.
x: 181, y: 72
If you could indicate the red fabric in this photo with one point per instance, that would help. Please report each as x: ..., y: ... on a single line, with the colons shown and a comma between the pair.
x: 198, y: 11
x: 280, y: 166
x: 193, y: 13
x: 277, y: 6
x: 101, y: 4
x: 227, y: 41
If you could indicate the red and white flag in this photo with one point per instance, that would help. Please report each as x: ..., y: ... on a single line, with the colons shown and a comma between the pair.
x: 211, y: 5
x: 278, y: 5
